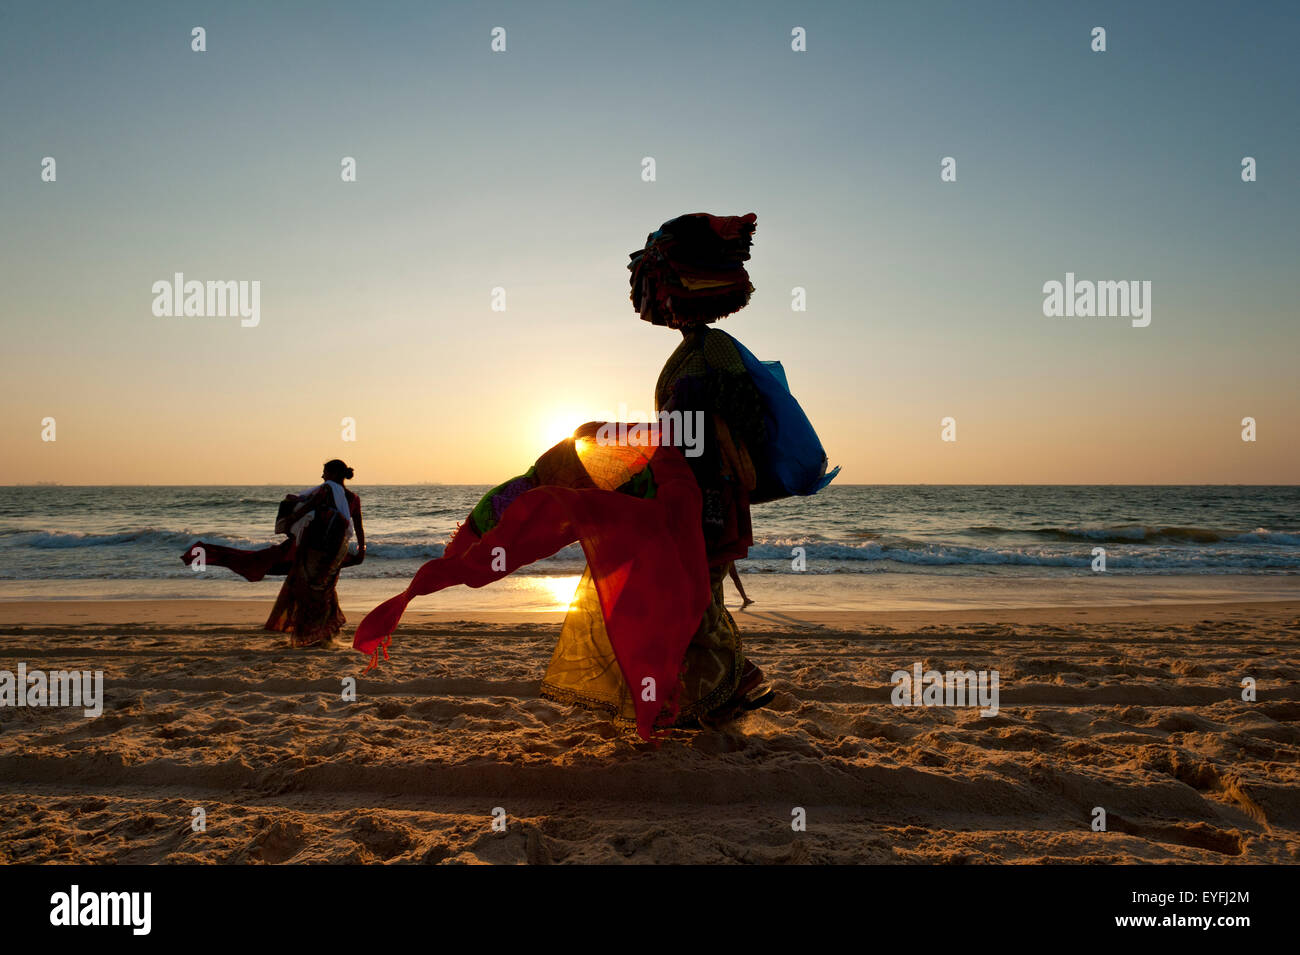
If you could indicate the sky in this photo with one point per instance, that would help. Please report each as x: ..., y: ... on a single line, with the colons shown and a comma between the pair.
x: 523, y: 170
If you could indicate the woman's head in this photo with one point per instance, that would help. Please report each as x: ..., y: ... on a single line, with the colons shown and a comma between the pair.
x: 336, y: 471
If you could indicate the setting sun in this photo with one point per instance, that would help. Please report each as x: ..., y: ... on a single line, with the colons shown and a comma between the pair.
x: 556, y: 429
x: 554, y: 424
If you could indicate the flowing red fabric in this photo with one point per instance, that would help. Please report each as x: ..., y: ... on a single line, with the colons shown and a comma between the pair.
x: 249, y: 564
x: 273, y: 561
x: 646, y: 558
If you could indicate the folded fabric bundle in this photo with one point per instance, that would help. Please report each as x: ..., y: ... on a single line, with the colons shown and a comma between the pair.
x: 691, y: 271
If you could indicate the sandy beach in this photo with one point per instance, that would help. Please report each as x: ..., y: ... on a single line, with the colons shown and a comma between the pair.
x: 1136, y: 709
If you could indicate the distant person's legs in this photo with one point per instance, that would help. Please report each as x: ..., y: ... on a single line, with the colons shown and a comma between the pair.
x: 740, y: 588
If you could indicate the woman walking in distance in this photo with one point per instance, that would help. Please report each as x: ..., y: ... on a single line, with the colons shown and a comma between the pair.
x: 323, y: 520
x: 317, y: 523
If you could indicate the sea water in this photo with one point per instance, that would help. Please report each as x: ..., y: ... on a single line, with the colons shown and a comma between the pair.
x: 849, y: 547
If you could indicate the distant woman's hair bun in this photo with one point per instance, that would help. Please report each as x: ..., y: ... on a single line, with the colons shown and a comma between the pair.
x: 338, y: 467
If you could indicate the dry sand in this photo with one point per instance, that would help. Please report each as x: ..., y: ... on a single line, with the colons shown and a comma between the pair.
x: 1134, y: 709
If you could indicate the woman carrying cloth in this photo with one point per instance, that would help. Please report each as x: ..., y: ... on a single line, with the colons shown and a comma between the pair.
x: 322, y: 521
x: 319, y: 522
x: 647, y: 637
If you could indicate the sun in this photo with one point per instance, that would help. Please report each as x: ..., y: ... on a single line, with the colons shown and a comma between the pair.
x: 557, y: 429
x: 557, y: 425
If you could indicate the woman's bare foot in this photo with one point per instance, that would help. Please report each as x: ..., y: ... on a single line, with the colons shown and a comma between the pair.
x: 752, y: 693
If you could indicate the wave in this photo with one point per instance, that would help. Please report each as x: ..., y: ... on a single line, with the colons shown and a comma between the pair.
x: 151, y: 552
x: 1262, y: 536
x: 1144, y: 533
x: 54, y: 540
x: 923, y: 554
x: 418, y: 550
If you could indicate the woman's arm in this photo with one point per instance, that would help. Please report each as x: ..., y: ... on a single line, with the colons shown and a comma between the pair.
x: 361, y: 532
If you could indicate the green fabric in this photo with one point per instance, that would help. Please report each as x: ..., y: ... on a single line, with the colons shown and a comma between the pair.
x: 641, y: 485
x: 484, y: 514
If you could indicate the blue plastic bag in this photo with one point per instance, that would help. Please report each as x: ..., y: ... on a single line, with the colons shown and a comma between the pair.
x: 795, y: 461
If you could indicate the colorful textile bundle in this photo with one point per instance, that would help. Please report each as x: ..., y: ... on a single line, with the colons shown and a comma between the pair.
x: 636, y: 512
x: 691, y: 271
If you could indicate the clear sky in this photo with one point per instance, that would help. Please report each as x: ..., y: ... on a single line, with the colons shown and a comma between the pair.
x: 523, y: 170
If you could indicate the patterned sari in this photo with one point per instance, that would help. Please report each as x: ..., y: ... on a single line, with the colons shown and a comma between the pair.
x: 307, y: 607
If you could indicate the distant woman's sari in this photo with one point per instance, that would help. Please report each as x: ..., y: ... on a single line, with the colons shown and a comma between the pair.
x: 307, y: 607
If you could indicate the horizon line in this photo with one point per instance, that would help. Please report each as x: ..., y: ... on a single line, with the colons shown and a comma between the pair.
x: 273, y: 484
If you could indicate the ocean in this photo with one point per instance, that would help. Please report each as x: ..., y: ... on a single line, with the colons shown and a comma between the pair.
x: 859, y: 544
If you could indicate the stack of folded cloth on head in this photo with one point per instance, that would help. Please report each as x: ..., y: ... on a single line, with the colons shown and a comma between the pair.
x: 691, y: 271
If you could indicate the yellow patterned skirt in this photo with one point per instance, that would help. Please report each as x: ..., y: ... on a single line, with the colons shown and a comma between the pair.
x: 584, y: 670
